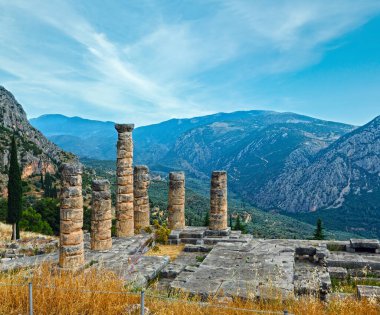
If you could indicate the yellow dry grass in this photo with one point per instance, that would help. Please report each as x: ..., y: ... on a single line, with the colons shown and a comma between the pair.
x: 6, y: 233
x: 98, y: 292
x: 166, y: 250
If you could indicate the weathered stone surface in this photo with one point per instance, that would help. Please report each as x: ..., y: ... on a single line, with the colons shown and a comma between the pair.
x: 124, y: 172
x: 141, y: 209
x: 367, y: 291
x: 71, y: 253
x: 218, y: 201
x: 338, y: 272
x: 242, y: 270
x: 364, y: 244
x: 353, y: 261
x: 176, y: 200
x: 101, y: 215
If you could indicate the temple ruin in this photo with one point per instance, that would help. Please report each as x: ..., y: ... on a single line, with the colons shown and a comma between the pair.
x: 218, y: 201
x: 176, y: 200
x: 124, y: 173
x: 101, y: 215
x: 141, y: 209
x: 71, y: 254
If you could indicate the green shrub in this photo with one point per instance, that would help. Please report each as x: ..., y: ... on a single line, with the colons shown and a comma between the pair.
x: 32, y: 221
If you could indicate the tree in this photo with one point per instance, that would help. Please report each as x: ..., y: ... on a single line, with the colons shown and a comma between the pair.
x: 207, y: 219
x: 318, y: 234
x: 33, y: 222
x: 48, y: 208
x: 14, y: 192
x: 239, y: 226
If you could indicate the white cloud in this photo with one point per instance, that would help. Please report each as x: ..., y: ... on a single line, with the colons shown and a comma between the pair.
x: 187, y: 66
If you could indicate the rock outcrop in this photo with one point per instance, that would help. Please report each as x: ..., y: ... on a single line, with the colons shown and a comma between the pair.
x: 36, y: 153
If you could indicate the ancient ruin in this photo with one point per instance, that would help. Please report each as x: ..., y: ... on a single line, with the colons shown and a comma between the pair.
x: 176, y: 200
x: 124, y: 173
x: 101, y: 215
x: 71, y: 254
x: 141, y: 208
x: 218, y: 201
x: 215, y: 261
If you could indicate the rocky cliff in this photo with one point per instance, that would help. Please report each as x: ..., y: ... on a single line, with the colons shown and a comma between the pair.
x: 36, y: 153
x: 349, y: 166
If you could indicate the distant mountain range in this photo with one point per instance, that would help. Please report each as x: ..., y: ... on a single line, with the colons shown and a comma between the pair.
x: 282, y: 162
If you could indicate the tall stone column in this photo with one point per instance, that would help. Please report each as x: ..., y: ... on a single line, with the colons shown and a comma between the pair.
x: 176, y: 202
x: 141, y: 209
x: 218, y: 201
x: 101, y: 215
x: 124, y: 173
x: 71, y: 253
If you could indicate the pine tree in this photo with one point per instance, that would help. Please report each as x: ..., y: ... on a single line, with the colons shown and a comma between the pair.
x: 231, y: 221
x: 14, y: 192
x: 318, y: 234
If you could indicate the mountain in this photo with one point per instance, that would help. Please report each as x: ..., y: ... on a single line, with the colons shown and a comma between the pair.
x: 253, y: 146
x: 283, y: 162
x: 36, y: 152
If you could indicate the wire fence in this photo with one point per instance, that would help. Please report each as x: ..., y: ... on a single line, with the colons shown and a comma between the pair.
x: 144, y: 296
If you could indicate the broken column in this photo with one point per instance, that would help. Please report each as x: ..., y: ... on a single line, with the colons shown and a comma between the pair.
x: 218, y: 201
x: 124, y: 173
x: 101, y: 215
x: 71, y: 254
x: 176, y: 202
x: 141, y: 209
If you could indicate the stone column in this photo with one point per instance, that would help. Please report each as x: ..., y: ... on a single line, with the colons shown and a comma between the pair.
x: 176, y: 202
x: 124, y: 173
x: 101, y: 216
x: 71, y: 254
x: 141, y: 209
x: 218, y: 201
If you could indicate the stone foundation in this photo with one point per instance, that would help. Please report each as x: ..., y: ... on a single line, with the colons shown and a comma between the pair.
x: 141, y: 209
x: 71, y: 217
x: 176, y: 202
x: 101, y: 216
x: 124, y: 173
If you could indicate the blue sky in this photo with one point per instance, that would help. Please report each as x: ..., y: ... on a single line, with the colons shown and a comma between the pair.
x: 148, y: 61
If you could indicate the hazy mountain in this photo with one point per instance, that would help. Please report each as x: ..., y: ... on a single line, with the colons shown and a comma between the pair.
x: 35, y: 151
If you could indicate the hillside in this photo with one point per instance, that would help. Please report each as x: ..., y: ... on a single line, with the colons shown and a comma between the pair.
x: 36, y: 152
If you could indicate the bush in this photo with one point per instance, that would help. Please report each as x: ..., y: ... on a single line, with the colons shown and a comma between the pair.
x: 162, y: 234
x: 32, y: 221
x: 48, y: 208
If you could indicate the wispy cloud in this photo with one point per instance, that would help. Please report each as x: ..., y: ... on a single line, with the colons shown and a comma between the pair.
x: 183, y: 62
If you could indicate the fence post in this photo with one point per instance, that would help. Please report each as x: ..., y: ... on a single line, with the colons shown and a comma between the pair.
x: 142, y: 302
x: 286, y: 312
x: 30, y: 298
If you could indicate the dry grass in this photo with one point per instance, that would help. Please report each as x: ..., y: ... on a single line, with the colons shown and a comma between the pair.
x: 69, y: 293
x: 6, y: 233
x: 166, y: 250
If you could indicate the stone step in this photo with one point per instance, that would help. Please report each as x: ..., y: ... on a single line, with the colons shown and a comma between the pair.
x: 368, y: 291
x: 192, y: 234
x: 190, y: 248
x: 194, y: 241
